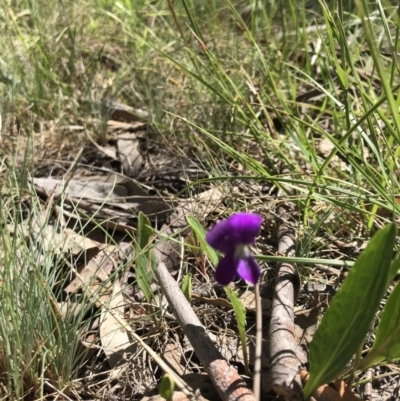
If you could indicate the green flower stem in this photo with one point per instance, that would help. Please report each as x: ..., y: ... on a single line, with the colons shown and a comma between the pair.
x: 258, y: 353
x: 293, y: 259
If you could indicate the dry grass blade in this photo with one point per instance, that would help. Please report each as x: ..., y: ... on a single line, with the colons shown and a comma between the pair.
x: 285, y: 363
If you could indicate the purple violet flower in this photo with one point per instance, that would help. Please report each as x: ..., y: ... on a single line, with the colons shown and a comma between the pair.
x: 232, y: 237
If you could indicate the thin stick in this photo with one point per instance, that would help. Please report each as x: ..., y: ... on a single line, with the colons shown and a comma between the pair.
x: 225, y: 378
x: 284, y: 360
x: 47, y: 383
x: 257, y: 362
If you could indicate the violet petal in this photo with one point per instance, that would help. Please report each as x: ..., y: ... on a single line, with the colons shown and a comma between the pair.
x: 247, y: 226
x: 226, y: 269
x: 239, y: 229
x: 248, y: 269
x: 220, y: 237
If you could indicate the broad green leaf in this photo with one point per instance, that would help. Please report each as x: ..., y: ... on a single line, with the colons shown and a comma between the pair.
x: 386, y: 346
x: 187, y: 287
x: 167, y: 387
x: 200, y: 233
x: 394, y: 269
x: 144, y: 262
x: 240, y: 315
x: 348, y: 318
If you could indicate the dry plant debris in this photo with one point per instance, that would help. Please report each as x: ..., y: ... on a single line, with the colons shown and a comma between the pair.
x: 117, y: 319
x: 283, y: 348
x: 97, y: 272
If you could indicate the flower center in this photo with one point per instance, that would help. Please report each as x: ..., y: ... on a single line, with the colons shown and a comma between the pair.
x: 242, y: 252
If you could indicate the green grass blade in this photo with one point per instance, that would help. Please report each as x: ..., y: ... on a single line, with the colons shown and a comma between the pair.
x: 348, y: 319
x: 143, y: 262
x: 240, y: 314
x: 363, y: 11
x: 200, y: 233
x: 186, y: 287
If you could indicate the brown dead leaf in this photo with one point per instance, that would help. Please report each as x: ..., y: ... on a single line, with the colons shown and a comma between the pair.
x: 126, y: 186
x: 78, y: 245
x: 172, y: 355
x: 213, y: 301
x: 66, y: 241
x: 97, y: 270
x: 306, y: 325
x: 95, y: 191
x: 113, y: 335
x: 248, y: 297
x: 336, y: 391
x: 325, y: 147
x: 129, y: 154
x: 113, y: 125
x: 69, y: 308
x: 122, y: 112
x: 204, y: 203
x: 108, y: 151
x: 105, y: 200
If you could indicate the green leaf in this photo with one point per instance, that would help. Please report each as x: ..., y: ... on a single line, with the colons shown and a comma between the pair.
x: 166, y: 387
x: 394, y: 269
x: 187, y: 287
x: 240, y: 315
x: 342, y: 76
x: 145, y: 259
x: 144, y: 230
x: 348, y: 319
x: 386, y: 346
x: 200, y: 233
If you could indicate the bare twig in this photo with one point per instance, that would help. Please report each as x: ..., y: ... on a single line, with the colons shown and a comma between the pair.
x: 226, y: 380
x: 47, y: 383
x: 284, y: 361
x: 368, y: 386
x: 258, y: 353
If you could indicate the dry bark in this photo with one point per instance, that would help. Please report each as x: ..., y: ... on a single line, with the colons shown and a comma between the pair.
x: 225, y: 378
x: 285, y: 364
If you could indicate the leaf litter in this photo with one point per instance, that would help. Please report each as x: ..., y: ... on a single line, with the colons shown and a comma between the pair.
x: 106, y: 270
x: 97, y: 272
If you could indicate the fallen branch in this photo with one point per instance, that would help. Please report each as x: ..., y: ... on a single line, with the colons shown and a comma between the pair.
x: 285, y: 364
x: 225, y: 378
